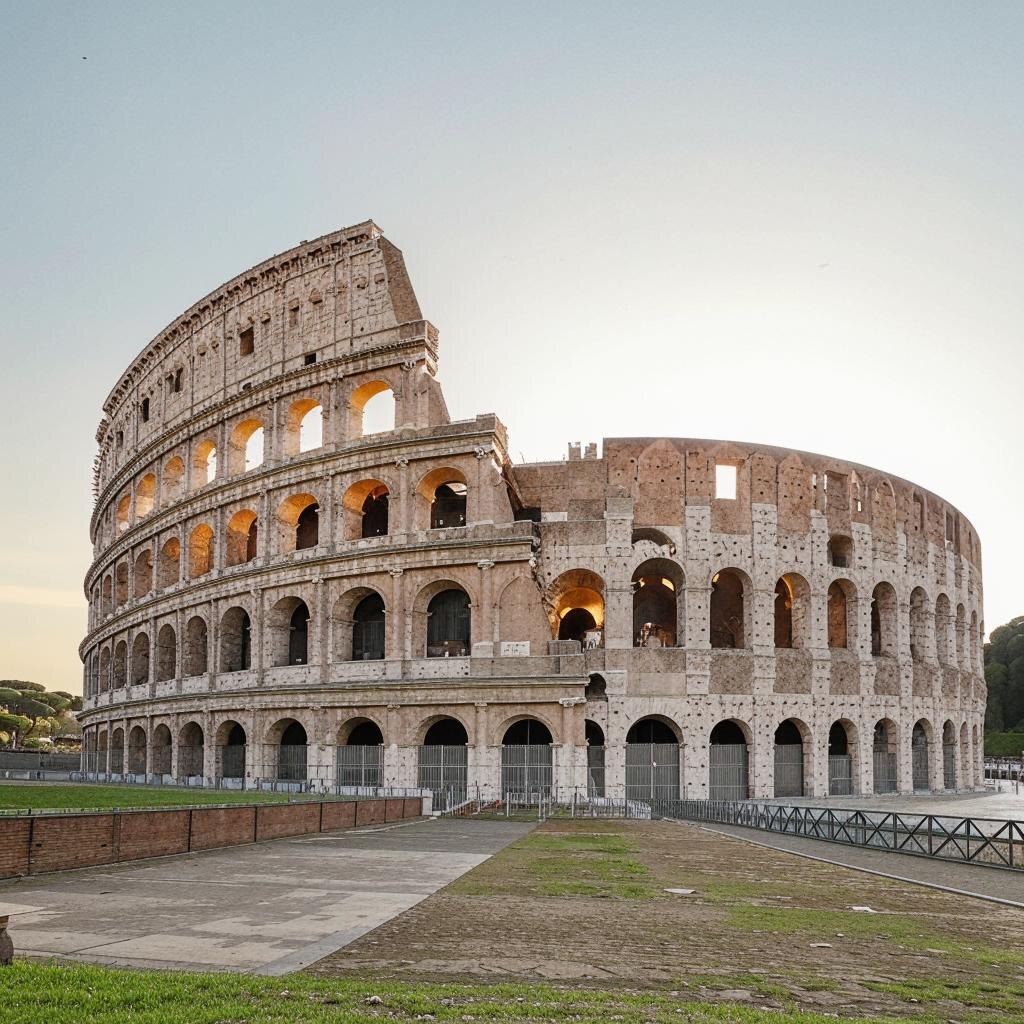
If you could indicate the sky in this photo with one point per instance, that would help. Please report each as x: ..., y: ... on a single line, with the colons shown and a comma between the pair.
x: 792, y: 223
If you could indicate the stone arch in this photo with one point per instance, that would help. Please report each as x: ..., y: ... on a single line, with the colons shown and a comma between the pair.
x: 443, y: 499
x: 123, y: 512
x: 117, y: 751
x: 303, y: 427
x: 172, y: 480
x: 107, y: 595
x: 359, y: 752
x: 371, y: 409
x: 730, y: 745
x: 883, y: 510
x: 366, y: 509
x: 841, y: 610
x: 961, y: 635
x: 242, y: 537
x: 526, y: 756
x: 949, y: 755
x: 166, y: 653
x: 657, y: 537
x: 885, y: 750
x: 793, y: 745
x: 360, y: 729
x: 729, y: 609
x: 298, y: 518
x: 204, y: 463
x: 443, y: 627
x: 191, y: 751
x: 121, y: 584
x: 145, y: 495
x: 140, y: 659
x: 446, y: 729
x: 161, y: 744
x: 230, y: 741
x: 975, y: 640
x: 575, y: 602
x: 658, y: 612
x: 792, y: 611
x: 137, y: 750
x: 104, y: 669
x: 196, y: 643
x: 120, y: 664
x: 235, y: 640
x: 884, y: 621
x: 921, y: 744
x: 442, y: 759
x: 143, y: 573
x: 200, y: 551
x: 286, y: 750
x: 652, y: 759
x: 169, y: 564
x: 843, y: 751
x: 943, y: 621
x: 288, y: 634
x: 246, y: 446
x: 919, y: 624
x: 359, y: 622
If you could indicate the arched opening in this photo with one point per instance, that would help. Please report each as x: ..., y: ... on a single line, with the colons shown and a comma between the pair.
x: 597, y: 688
x: 918, y: 624
x: 107, y: 599
x: 884, y: 631
x: 594, y: 736
x: 145, y: 496
x: 161, y: 750
x: 657, y: 584
x: 190, y: 753
x: 442, y: 762
x: 104, y: 670
x: 840, y: 551
x: 120, y: 664
x: 920, y: 756
x: 242, y: 533
x: 652, y: 761
x: 140, y: 659
x: 366, y: 507
x: 948, y: 756
x: 526, y: 760
x: 838, y: 613
x: 299, y: 519
x: 792, y: 618
x: 235, y: 641
x: 298, y: 638
x: 368, y: 629
x: 123, y: 512
x: 372, y: 409
x: 196, y: 658
x: 137, y: 751
x: 448, y: 624
x: 200, y: 551
x: 166, y: 653
x: 245, y: 446
x: 143, y: 574
x: 728, y: 762
x: 728, y: 610
x: 360, y: 754
x: 169, y: 569
x: 575, y: 600
x: 231, y: 743
x: 121, y: 584
x: 310, y: 425
x: 975, y: 638
x: 292, y: 753
x: 964, y: 767
x: 289, y: 632
x: 117, y: 752
x: 961, y: 635
x: 943, y: 621
x: 789, y: 759
x: 840, y: 761
x: 884, y: 757
x: 172, y: 480
x: 444, y: 493
x: 204, y: 464
x: 103, y: 753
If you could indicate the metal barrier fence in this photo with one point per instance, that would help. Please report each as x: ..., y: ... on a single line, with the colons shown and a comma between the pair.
x: 652, y: 771
x: 885, y: 771
x: 986, y: 841
x: 444, y: 770
x: 526, y: 768
x: 840, y: 775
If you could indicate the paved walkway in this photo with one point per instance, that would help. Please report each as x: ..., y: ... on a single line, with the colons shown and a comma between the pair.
x: 267, y: 909
x: 990, y: 883
x: 1006, y: 802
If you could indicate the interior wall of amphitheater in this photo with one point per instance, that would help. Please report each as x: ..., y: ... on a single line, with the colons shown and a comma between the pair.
x: 305, y: 572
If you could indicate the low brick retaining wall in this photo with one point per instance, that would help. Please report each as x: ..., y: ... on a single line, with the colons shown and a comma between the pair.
x: 37, y: 843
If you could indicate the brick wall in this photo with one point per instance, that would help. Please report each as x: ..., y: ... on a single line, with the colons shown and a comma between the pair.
x: 34, y: 844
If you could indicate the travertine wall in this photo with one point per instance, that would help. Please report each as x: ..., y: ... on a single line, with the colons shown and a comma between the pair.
x: 203, y: 562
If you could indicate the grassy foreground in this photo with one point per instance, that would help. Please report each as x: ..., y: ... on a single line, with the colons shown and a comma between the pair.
x: 48, y: 993
x: 47, y: 796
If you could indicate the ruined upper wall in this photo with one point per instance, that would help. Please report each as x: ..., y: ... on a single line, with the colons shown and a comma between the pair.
x: 661, y: 476
x: 341, y: 295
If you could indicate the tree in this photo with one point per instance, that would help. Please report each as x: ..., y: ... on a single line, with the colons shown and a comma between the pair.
x: 29, y: 711
x: 1004, y: 677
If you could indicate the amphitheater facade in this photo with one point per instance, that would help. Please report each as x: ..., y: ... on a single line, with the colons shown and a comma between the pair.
x: 282, y: 591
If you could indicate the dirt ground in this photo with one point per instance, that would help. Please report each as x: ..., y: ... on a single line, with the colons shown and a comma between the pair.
x: 583, y: 903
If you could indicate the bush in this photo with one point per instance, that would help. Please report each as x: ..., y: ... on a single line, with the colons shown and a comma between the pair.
x: 1004, y: 744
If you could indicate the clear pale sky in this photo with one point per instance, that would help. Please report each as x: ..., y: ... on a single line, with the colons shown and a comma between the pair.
x: 807, y: 218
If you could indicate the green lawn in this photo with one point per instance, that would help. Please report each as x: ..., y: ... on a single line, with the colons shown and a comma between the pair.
x: 47, y: 993
x: 36, y: 796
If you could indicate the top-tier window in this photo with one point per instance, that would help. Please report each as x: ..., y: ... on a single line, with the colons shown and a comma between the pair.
x: 247, y: 342
x: 725, y: 482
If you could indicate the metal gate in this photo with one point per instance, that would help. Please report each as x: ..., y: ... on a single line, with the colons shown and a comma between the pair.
x: 443, y: 770
x: 526, y: 768
x: 190, y: 760
x: 789, y: 769
x: 840, y: 775
x: 652, y: 771
x: 291, y: 762
x: 728, y: 772
x: 361, y: 765
x: 919, y: 761
x: 949, y: 765
x: 595, y: 771
x: 232, y: 761
x: 885, y: 771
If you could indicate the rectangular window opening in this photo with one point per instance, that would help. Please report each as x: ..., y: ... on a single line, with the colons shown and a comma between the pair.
x: 309, y: 359
x: 725, y: 482
x: 246, y: 342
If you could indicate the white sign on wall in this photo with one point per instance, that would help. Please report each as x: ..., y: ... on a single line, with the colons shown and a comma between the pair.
x: 515, y: 648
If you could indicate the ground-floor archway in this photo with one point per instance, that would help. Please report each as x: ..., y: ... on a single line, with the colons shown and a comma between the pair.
x: 728, y: 762
x: 920, y: 754
x: 526, y: 760
x: 883, y: 750
x: 840, y: 761
x: 652, y: 761
x: 594, y: 735
x: 360, y: 754
x: 231, y: 750
x: 442, y: 764
x: 789, y: 759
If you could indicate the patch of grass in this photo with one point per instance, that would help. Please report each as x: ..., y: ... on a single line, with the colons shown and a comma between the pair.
x: 73, y: 796
x: 899, y: 929
x: 38, y: 993
x: 984, y: 995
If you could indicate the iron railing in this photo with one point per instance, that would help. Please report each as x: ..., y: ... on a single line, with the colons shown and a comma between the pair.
x: 986, y: 841
x: 652, y: 771
x: 526, y: 768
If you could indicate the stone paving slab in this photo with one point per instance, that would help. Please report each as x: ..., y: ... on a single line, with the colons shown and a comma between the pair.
x: 267, y: 909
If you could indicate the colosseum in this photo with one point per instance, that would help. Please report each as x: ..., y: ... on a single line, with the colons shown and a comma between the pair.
x: 306, y: 573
